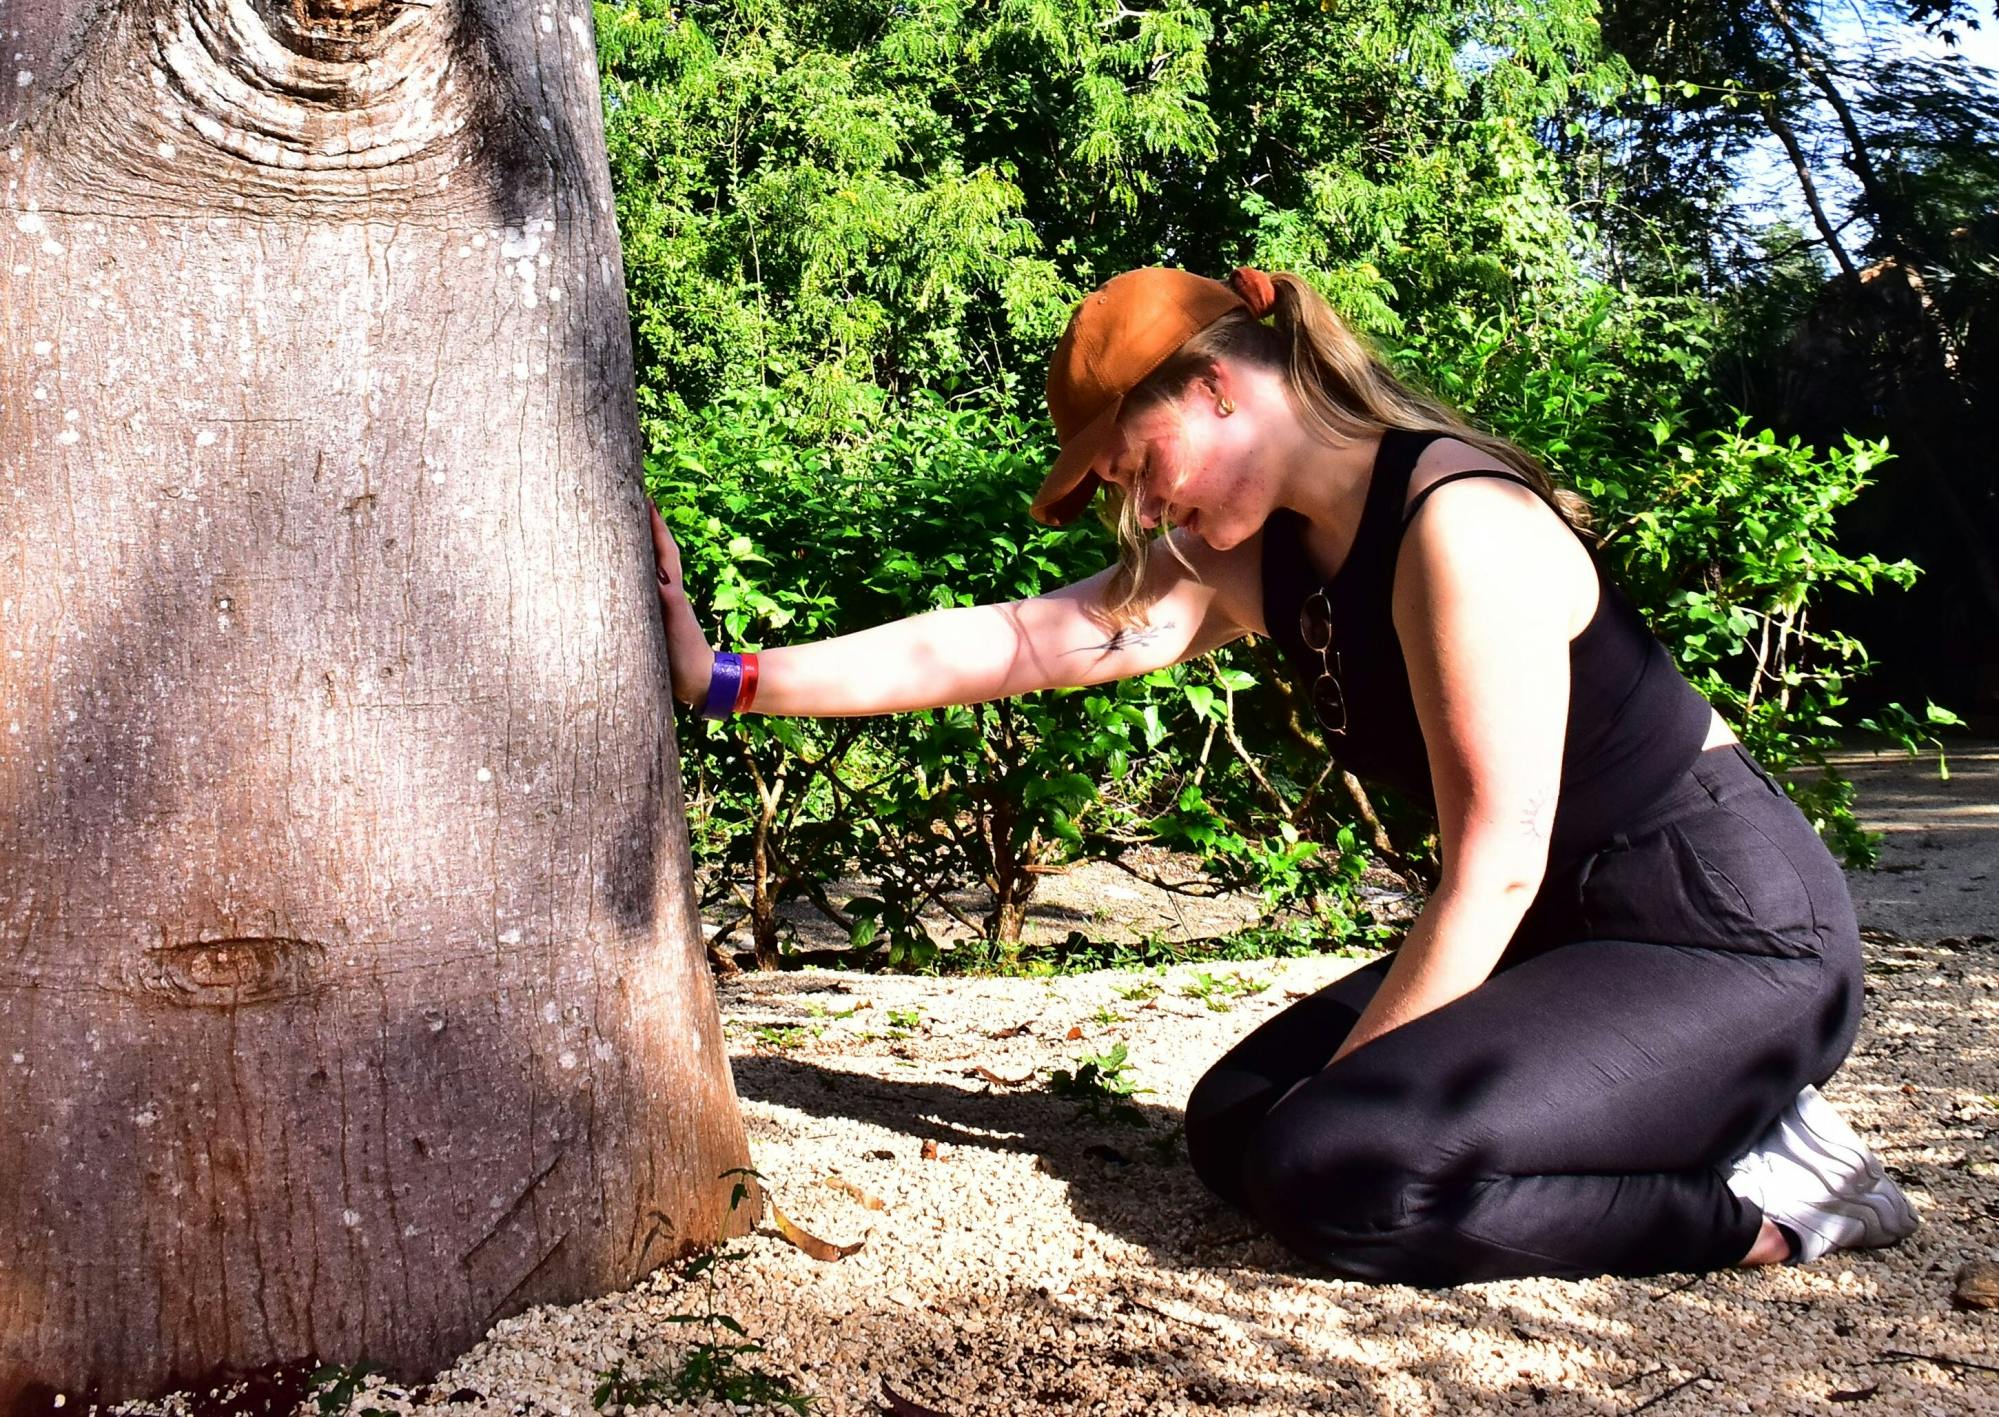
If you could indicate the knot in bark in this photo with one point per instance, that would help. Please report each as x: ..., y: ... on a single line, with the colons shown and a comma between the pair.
x: 312, y: 85
x: 332, y: 29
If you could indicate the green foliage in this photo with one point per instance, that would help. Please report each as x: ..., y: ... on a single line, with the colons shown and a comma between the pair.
x: 1221, y: 992
x: 1731, y: 541
x: 786, y: 537
x: 1101, y: 1089
x: 849, y: 199
x: 714, y: 1369
x: 335, y: 1385
x: 780, y: 1036
x: 852, y: 230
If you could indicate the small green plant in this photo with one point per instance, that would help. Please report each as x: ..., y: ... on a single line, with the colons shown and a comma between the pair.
x: 903, y: 1022
x: 1106, y: 1016
x: 1139, y: 991
x: 1221, y: 992
x: 334, y: 1387
x: 1913, y: 734
x: 819, y: 1010
x: 1100, y: 1089
x: 714, y: 1370
x: 779, y: 1035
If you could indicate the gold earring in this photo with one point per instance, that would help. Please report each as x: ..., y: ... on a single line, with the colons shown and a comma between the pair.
x: 1225, y: 407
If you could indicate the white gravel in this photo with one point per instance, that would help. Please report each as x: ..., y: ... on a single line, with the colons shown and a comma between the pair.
x: 1038, y: 1263
x: 1027, y: 1269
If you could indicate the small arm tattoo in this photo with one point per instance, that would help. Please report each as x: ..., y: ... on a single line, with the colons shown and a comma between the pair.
x: 1538, y: 815
x: 1125, y: 639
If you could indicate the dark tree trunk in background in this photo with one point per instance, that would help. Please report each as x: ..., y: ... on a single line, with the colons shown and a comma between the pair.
x: 351, y: 988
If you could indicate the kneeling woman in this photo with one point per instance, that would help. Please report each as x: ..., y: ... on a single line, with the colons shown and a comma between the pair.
x: 1596, y: 1050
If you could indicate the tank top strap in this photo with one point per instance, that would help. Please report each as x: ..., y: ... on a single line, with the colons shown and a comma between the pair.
x: 1509, y: 475
x: 1372, y: 557
x: 1448, y: 478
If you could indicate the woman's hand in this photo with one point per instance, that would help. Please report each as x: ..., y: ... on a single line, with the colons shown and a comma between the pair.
x: 692, y: 661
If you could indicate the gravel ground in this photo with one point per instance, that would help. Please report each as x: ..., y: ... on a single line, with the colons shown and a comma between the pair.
x: 1025, y: 1260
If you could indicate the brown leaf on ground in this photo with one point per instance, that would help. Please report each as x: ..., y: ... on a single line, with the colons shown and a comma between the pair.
x: 812, y: 1245
x: 899, y: 1406
x: 929, y: 1150
x: 992, y: 1077
x: 846, y: 1187
x: 1073, y: 1034
x: 1014, y: 1032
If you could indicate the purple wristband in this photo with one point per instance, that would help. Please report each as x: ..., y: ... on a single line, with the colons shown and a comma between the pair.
x: 724, y: 682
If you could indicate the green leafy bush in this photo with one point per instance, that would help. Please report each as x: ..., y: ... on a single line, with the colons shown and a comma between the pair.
x: 787, y: 539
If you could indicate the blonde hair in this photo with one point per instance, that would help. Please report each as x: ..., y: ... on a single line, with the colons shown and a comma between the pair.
x: 1341, y: 388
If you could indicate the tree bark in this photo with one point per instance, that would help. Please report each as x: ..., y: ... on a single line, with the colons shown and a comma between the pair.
x: 351, y: 987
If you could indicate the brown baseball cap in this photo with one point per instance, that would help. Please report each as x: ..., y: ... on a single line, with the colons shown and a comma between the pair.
x: 1117, y: 337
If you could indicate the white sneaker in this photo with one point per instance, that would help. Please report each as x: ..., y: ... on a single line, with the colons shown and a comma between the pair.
x: 1812, y: 1175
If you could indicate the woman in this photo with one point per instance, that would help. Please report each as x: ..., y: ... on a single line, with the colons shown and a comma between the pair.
x: 1595, y: 1050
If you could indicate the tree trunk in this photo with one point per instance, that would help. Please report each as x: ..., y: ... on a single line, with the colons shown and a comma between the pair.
x: 351, y: 986
x: 1801, y: 165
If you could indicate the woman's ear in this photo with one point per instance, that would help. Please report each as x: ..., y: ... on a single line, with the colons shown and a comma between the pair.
x: 1218, y: 382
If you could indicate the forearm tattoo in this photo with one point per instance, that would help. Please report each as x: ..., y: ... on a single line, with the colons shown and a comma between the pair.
x: 1130, y: 638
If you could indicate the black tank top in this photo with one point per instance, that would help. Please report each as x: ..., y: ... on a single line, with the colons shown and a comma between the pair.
x: 1635, y: 724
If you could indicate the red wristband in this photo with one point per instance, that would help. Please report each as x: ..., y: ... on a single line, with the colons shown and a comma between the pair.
x: 748, y: 691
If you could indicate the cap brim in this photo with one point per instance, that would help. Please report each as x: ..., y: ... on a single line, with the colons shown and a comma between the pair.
x: 1070, y: 484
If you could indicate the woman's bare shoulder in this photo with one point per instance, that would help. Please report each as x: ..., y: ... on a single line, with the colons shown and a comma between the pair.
x: 1235, y: 572
x: 1446, y: 456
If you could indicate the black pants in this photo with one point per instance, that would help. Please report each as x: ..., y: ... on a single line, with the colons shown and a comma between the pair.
x: 1665, y: 998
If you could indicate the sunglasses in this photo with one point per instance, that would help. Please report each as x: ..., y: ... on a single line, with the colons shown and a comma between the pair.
x: 1315, y: 627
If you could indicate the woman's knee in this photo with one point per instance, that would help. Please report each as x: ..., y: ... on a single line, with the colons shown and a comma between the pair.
x: 1334, y: 1177
x: 1224, y: 1111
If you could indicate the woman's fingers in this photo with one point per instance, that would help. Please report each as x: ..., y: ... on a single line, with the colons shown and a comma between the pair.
x: 665, y: 553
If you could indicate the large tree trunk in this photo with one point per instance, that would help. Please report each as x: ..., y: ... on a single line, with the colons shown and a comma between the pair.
x: 351, y: 988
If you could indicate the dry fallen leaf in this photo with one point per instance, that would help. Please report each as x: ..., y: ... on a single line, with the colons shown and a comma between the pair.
x: 812, y: 1245
x: 929, y: 1149
x: 992, y: 1077
x: 1073, y: 1034
x: 900, y: 1406
x: 1013, y: 1032
x: 846, y: 1187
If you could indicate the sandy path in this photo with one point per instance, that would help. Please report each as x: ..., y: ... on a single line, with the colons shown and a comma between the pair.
x: 1045, y: 1264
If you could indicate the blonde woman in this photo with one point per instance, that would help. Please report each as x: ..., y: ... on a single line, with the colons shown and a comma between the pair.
x: 1596, y: 1050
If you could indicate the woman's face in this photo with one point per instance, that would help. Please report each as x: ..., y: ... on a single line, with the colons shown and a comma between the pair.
x: 1189, y: 464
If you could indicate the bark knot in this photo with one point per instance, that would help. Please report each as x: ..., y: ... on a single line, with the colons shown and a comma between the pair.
x: 312, y: 85
x: 227, y: 974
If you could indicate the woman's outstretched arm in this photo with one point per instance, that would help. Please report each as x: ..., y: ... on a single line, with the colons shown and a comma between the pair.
x: 974, y: 653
